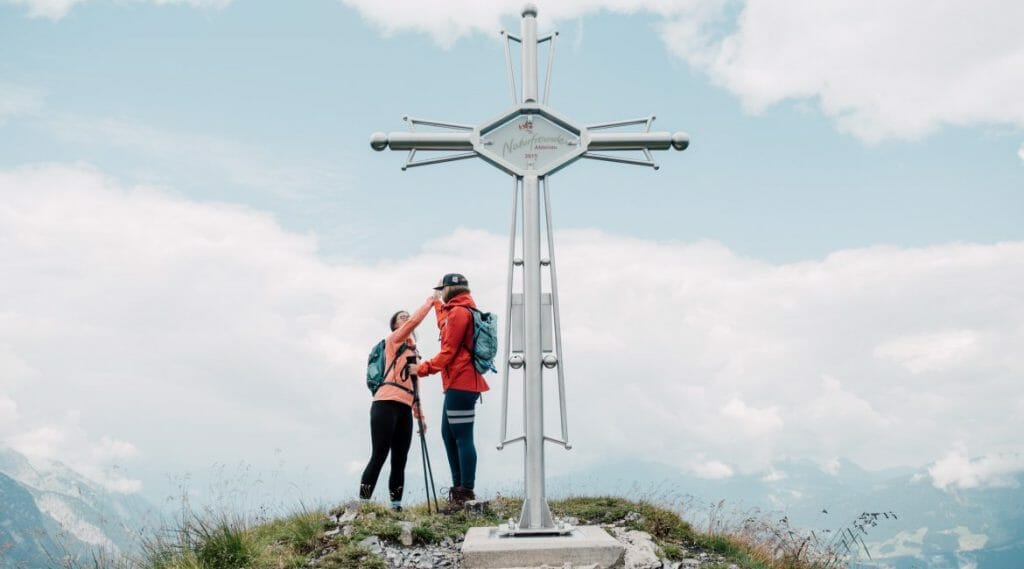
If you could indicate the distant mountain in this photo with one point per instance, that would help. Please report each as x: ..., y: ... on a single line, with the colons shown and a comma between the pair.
x: 54, y: 511
x: 25, y: 533
x: 933, y: 528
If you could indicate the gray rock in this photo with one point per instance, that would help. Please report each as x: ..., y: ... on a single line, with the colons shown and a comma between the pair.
x: 641, y: 553
x: 476, y: 507
x: 406, y: 536
x: 348, y: 517
x: 632, y: 517
x: 370, y: 542
x: 332, y: 532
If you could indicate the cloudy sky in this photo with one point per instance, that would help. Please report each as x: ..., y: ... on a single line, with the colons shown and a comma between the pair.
x: 198, y: 246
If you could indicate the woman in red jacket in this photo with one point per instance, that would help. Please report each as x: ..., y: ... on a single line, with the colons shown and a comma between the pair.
x: 461, y: 382
x: 392, y: 410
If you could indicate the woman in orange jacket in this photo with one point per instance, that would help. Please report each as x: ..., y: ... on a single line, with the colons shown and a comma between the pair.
x: 461, y: 383
x: 392, y: 411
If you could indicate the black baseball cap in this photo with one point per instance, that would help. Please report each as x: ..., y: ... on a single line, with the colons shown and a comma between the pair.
x: 452, y: 279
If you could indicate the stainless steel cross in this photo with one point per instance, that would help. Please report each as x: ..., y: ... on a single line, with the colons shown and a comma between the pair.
x: 530, y: 141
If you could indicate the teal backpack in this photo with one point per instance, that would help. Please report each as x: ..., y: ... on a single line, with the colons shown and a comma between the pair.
x: 375, y: 370
x: 485, y: 340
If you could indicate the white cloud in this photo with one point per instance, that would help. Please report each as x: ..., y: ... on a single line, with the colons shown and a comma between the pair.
x: 57, y: 9
x: 113, y: 449
x: 751, y: 420
x: 65, y: 441
x: 1020, y: 152
x: 44, y: 443
x: 931, y: 352
x: 713, y: 470
x: 966, y: 540
x: 773, y: 475
x: 839, y: 407
x: 903, y: 544
x: 180, y: 333
x: 52, y: 9
x: 957, y: 470
x: 879, y: 70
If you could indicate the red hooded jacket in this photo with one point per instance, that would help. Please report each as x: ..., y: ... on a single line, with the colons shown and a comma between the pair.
x: 455, y: 360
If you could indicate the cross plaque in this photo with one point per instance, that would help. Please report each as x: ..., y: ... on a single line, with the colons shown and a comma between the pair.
x: 530, y: 141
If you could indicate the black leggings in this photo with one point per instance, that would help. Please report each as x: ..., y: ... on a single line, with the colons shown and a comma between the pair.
x: 390, y: 431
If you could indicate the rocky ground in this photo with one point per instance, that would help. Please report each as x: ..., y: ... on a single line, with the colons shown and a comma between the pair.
x: 407, y: 553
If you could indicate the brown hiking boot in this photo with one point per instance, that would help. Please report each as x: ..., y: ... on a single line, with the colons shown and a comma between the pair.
x: 456, y: 498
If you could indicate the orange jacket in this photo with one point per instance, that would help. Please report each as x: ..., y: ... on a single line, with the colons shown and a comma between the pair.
x: 403, y: 334
x: 455, y: 360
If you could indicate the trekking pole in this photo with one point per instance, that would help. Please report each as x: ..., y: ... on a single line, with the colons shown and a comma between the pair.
x: 428, y: 471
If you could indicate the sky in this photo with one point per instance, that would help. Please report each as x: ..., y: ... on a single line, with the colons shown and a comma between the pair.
x: 199, y: 247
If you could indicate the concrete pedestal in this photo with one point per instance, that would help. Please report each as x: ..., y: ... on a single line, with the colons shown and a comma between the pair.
x: 586, y: 546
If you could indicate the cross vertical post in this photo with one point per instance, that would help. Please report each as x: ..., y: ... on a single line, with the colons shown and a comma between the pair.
x: 535, y: 515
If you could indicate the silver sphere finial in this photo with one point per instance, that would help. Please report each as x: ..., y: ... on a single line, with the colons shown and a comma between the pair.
x: 530, y: 10
x: 680, y: 140
x: 378, y: 141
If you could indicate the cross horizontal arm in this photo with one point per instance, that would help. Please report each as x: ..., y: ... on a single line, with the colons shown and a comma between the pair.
x: 637, y: 141
x: 422, y: 141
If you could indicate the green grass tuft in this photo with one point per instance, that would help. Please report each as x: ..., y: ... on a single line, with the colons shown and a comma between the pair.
x: 599, y: 510
x: 352, y: 557
x: 424, y: 534
x: 672, y: 551
x: 299, y: 532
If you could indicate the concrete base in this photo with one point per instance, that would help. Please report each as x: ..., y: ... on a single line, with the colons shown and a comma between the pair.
x: 586, y: 546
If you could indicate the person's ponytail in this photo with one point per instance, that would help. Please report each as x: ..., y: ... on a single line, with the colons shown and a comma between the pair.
x: 453, y: 291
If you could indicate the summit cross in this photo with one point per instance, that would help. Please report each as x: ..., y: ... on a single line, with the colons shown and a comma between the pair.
x: 530, y: 141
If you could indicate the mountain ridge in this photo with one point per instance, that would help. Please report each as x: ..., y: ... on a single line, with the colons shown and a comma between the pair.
x: 57, y: 512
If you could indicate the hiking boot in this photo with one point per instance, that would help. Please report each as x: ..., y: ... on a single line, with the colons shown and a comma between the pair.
x: 455, y: 499
x: 467, y: 495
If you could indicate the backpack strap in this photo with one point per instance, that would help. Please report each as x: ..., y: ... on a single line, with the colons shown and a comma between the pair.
x: 398, y: 352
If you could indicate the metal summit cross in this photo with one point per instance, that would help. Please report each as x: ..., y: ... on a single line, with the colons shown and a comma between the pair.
x: 530, y: 141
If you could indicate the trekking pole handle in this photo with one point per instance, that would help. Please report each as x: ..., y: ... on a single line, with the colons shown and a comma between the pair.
x: 410, y: 361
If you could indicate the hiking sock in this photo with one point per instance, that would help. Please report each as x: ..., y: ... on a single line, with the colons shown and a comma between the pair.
x: 396, y: 505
